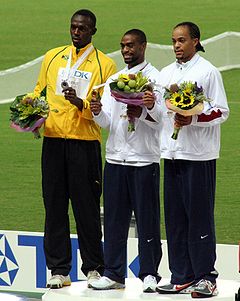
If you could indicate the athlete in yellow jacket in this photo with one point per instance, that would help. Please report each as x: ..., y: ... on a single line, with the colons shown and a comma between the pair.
x: 71, y: 154
x: 69, y: 121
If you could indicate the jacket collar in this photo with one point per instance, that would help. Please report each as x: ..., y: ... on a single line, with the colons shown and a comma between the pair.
x: 188, y: 63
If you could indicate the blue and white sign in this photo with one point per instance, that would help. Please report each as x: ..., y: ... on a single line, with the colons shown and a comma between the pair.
x: 23, y: 266
x: 8, y: 263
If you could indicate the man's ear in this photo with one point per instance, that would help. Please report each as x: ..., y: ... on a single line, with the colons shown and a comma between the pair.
x: 94, y: 30
x: 144, y: 46
x: 195, y: 41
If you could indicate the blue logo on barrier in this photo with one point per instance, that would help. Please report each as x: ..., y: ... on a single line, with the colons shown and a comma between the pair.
x: 134, y: 266
x: 37, y: 243
x: 8, y: 264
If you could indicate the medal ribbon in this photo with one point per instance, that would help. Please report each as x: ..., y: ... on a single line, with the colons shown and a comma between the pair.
x: 71, y: 70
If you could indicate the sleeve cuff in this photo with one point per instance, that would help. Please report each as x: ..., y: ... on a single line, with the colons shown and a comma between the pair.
x: 155, y: 112
x: 194, y: 119
x: 99, y: 116
x: 144, y: 114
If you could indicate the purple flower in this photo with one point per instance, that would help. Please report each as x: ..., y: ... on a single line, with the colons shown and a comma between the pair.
x: 198, y: 89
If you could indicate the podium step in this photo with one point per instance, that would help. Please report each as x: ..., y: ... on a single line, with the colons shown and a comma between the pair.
x: 12, y: 297
x: 133, y: 292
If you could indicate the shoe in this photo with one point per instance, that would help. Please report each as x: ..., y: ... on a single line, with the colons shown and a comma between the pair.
x: 149, y: 284
x: 58, y: 281
x: 105, y: 283
x: 170, y: 288
x: 204, y: 289
x: 92, y: 276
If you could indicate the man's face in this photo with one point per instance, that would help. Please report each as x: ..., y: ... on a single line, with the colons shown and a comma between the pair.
x: 132, y: 50
x: 81, y: 30
x: 184, y: 46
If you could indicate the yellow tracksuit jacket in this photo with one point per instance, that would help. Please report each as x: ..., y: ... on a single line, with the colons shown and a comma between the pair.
x: 69, y: 122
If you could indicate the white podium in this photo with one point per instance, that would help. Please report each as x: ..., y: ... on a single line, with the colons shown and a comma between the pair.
x: 133, y: 292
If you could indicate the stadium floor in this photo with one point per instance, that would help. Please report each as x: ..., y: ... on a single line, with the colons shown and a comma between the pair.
x: 133, y: 292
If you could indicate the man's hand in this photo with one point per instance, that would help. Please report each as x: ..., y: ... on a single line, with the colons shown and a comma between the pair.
x: 181, y: 120
x: 70, y: 95
x: 134, y: 111
x: 95, y: 104
x: 149, y: 99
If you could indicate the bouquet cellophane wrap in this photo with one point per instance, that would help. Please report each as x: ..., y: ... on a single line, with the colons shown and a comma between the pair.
x: 197, y: 109
x: 134, y: 98
x: 36, y: 125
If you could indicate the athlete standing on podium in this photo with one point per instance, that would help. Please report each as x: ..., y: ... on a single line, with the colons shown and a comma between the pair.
x: 131, y: 174
x: 71, y: 155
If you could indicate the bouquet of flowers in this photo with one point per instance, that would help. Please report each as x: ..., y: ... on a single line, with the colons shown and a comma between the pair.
x: 129, y: 89
x: 28, y: 113
x: 186, y: 99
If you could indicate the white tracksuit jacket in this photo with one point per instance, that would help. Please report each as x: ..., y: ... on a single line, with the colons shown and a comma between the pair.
x: 200, y: 140
x: 123, y: 147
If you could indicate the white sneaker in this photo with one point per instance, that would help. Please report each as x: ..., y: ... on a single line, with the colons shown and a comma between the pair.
x: 58, y: 281
x: 105, y: 283
x: 92, y: 276
x: 149, y: 284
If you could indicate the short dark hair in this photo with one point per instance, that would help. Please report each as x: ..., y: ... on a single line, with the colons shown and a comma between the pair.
x: 139, y: 34
x: 194, y: 32
x: 87, y: 13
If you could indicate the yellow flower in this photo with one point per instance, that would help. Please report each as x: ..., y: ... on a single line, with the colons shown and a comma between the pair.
x: 176, y: 99
x: 29, y: 95
x: 188, y: 100
x: 187, y: 92
x: 123, y: 77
